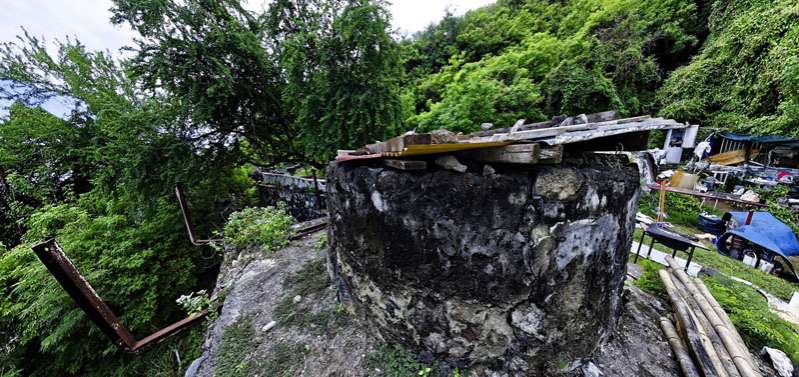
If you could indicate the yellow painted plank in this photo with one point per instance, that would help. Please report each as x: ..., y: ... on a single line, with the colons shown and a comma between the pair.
x: 733, y: 157
x: 415, y: 150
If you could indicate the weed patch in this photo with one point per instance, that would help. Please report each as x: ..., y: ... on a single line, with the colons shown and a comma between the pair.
x: 650, y: 281
x: 748, y: 310
x: 238, y: 341
x: 310, y: 283
x: 283, y: 361
x: 268, y: 227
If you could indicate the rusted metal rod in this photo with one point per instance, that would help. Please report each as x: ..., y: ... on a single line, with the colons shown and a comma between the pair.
x: 187, y: 220
x: 53, y: 257
x: 309, y: 227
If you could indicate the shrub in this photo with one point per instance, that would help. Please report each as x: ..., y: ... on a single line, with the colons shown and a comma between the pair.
x: 257, y: 226
x: 680, y: 209
x: 194, y: 302
x: 393, y: 361
x: 650, y: 280
x: 138, y: 266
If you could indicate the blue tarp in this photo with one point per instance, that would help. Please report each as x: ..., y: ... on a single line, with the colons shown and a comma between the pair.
x: 766, y: 231
x: 766, y: 139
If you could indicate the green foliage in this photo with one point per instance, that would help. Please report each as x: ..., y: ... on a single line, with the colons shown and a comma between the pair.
x: 284, y: 360
x: 749, y: 313
x: 745, y: 78
x: 712, y: 260
x: 256, y: 226
x: 101, y: 181
x: 650, y: 280
x: 539, y: 59
x: 732, y: 267
x: 343, y: 82
x: 394, y: 361
x: 680, y: 209
x: 321, y: 244
x: 136, y: 267
x: 194, y: 302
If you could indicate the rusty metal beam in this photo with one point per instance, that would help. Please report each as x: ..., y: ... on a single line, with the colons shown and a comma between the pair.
x: 53, y: 257
x: 303, y: 229
x: 187, y: 219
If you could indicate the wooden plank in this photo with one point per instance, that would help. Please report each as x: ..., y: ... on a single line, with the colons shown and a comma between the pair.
x: 550, y: 154
x: 618, y: 124
x: 645, y: 125
x: 603, y: 116
x: 350, y: 157
x: 511, y: 154
x: 417, y: 150
x: 732, y: 157
x: 399, y: 143
x: 408, y: 165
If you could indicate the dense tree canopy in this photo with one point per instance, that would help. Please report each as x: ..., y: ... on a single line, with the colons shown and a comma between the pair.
x: 208, y: 89
x: 538, y: 59
x: 747, y: 75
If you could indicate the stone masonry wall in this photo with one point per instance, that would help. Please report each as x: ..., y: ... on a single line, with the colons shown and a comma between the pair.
x: 298, y: 194
x: 517, y: 270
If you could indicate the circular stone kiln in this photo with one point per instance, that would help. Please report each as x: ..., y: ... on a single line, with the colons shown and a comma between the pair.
x: 517, y: 269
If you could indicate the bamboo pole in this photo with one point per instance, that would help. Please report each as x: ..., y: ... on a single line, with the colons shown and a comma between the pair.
x: 739, y: 355
x: 680, y: 352
x: 710, y: 330
x: 695, y: 337
x: 723, y: 315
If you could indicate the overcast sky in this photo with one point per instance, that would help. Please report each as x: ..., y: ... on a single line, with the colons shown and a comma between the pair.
x: 88, y: 19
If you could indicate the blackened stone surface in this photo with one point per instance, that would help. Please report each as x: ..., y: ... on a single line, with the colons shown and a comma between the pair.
x: 519, y: 271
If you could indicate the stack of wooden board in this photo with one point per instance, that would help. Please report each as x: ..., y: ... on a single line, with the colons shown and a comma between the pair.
x: 500, y: 145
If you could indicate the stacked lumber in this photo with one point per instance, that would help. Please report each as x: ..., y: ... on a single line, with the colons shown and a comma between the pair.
x: 520, y: 144
x: 704, y: 340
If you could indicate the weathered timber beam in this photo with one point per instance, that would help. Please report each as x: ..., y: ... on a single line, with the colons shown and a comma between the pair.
x: 406, y: 164
x: 398, y: 144
x: 528, y: 154
x: 550, y: 154
x: 603, y: 116
x: 509, y: 154
x: 645, y: 125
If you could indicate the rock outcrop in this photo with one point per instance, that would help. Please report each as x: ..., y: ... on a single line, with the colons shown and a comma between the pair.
x: 507, y: 269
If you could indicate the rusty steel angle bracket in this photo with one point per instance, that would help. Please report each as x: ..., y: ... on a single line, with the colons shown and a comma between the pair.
x: 187, y: 220
x: 53, y: 257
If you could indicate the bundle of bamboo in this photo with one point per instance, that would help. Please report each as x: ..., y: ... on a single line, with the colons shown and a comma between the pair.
x: 705, y: 341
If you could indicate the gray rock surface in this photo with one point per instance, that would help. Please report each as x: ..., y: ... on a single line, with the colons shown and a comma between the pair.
x: 257, y: 283
x: 782, y: 364
x: 309, y: 339
x: 519, y: 272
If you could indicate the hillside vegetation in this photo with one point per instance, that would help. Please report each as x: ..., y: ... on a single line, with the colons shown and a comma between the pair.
x: 212, y: 90
x: 725, y: 64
